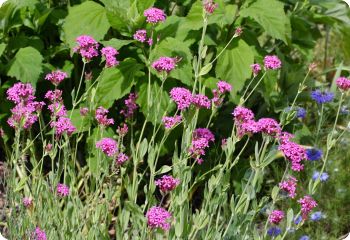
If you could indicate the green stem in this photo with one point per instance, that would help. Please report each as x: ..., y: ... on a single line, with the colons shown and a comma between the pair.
x: 256, y: 85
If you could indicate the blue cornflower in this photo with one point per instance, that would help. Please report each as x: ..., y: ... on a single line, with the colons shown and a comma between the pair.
x: 314, y: 154
x: 316, y: 216
x: 322, y: 97
x: 324, y: 176
x: 274, y: 231
x: 301, y: 112
x: 297, y: 220
x: 305, y: 237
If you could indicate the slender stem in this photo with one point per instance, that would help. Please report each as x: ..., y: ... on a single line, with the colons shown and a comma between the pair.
x: 222, y: 51
x: 319, y: 123
x: 256, y: 85
x: 77, y: 92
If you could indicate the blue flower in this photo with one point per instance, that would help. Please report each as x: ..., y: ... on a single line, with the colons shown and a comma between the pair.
x: 322, y: 97
x: 274, y: 231
x: 324, y: 176
x: 297, y: 220
x: 316, y: 216
x: 313, y: 154
x: 305, y: 237
x: 301, y: 112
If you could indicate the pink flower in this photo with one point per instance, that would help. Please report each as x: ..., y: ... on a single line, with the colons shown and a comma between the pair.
x: 23, y: 116
x: 122, y: 131
x: 87, y: 47
x: 256, y: 69
x: 121, y: 158
x: 110, y: 53
x: 131, y: 106
x: 289, y: 186
x: 224, y: 87
x: 164, y: 64
x: 242, y: 114
x: 84, y: 111
x: 154, y: 15
x: 307, y: 204
x: 39, y: 234
x: 63, y: 125
x: 285, y: 137
x: 57, y: 109
x: 167, y: 183
x: 269, y: 126
x: 210, y: 6
x: 27, y: 202
x: 101, y: 117
x: 56, y: 77
x: 54, y: 96
x: 108, y: 146
x: 272, y: 62
x: 343, y: 83
x: 158, y: 217
x: 203, y: 133
x: 140, y: 35
x: 276, y: 216
x: 48, y: 147
x: 200, y: 141
x: 150, y: 41
x: 294, y: 153
x: 238, y: 31
x: 170, y: 122
x: 62, y: 190
x: 21, y: 92
x: 182, y: 97
x: 201, y: 101
x: 247, y: 128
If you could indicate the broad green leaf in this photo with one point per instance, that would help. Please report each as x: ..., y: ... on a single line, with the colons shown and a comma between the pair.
x: 117, y: 43
x: 2, y: 48
x: 81, y: 123
x: 116, y: 82
x: 26, y: 66
x: 88, y: 18
x: 233, y: 65
x: 142, y: 5
x: 271, y: 16
x: 172, y: 47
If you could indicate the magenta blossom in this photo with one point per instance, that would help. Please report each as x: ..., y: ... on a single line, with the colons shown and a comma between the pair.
x: 83, y: 111
x: 201, y: 101
x: 121, y: 158
x: 289, y: 186
x: 87, y: 47
x: 21, y: 92
x: 272, y: 62
x: 242, y: 114
x: 158, y: 217
x: 131, y: 106
x: 154, y: 15
x: 164, y: 64
x: 27, y: 202
x: 108, y: 146
x: 210, y: 6
x: 203, y: 133
x: 170, y: 122
x: 224, y: 87
x: 122, y: 131
x: 56, y: 77
x: 63, y: 125
x: 255, y: 69
x: 167, y: 183
x: 182, y: 97
x: 62, y: 190
x: 276, y: 216
x: 294, y: 153
x: 307, y: 203
x: 343, y: 83
x: 39, y: 234
x: 269, y: 126
x: 140, y: 35
x: 101, y: 117
x: 110, y: 53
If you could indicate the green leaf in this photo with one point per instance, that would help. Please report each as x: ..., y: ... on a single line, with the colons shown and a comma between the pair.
x: 26, y: 66
x: 271, y: 16
x: 81, y: 123
x: 163, y: 169
x: 233, y: 65
x: 88, y: 18
x: 2, y: 48
x: 115, y: 83
x: 205, y: 69
x: 172, y: 47
x: 117, y: 43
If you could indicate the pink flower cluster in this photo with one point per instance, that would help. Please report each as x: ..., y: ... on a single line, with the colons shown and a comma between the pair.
x: 131, y: 106
x: 200, y: 141
x: 269, y: 126
x: 222, y: 88
x: 56, y: 77
x: 167, y: 183
x: 170, y: 122
x: 108, y: 146
x: 101, y: 117
x: 289, y: 186
x: 343, y: 83
x: 27, y: 202
x: 294, y: 153
x: 276, y: 216
x: 307, y: 204
x: 154, y: 15
x: 63, y: 125
x: 62, y: 190
x: 24, y: 112
x: 210, y: 6
x: 122, y: 131
x: 121, y: 158
x: 201, y: 101
x: 255, y: 69
x: 83, y: 111
x: 158, y: 217
x: 110, y: 53
x: 39, y: 234
x: 164, y: 64
x: 140, y: 35
x: 272, y: 62
x: 182, y: 97
x: 87, y: 47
